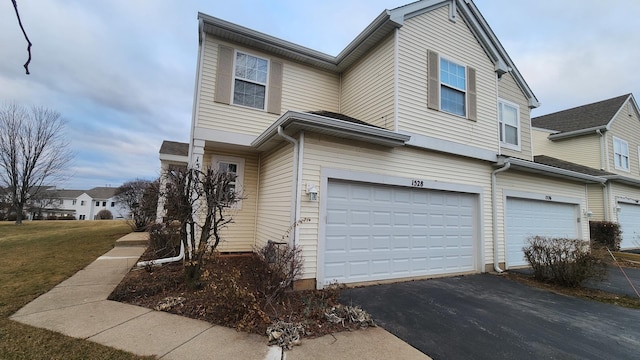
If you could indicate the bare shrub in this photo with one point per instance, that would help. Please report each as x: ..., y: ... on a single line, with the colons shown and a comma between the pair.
x: 104, y: 214
x: 605, y: 233
x: 164, y: 240
x: 284, y: 265
x: 562, y: 261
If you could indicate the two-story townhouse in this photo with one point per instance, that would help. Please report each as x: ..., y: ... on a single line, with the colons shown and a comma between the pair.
x: 409, y: 152
x: 603, y: 136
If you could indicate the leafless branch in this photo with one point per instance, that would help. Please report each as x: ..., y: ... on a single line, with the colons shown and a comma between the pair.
x: 26, y: 65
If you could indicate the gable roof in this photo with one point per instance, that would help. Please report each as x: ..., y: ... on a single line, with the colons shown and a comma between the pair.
x: 103, y: 192
x: 383, y: 25
x: 174, y: 148
x: 68, y: 194
x: 588, y: 117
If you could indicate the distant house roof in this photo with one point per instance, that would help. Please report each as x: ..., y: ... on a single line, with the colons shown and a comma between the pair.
x: 68, y: 194
x: 174, y: 148
x: 102, y: 192
x: 551, y: 161
x: 589, y: 116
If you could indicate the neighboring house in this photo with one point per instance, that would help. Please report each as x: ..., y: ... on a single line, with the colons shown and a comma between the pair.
x: 604, y: 135
x: 410, y: 152
x: 80, y: 204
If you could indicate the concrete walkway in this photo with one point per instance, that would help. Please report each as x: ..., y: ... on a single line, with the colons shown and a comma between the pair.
x: 78, y: 307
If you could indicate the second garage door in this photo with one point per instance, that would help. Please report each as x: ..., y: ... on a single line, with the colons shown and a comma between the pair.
x: 629, y: 219
x: 378, y: 232
x: 526, y: 217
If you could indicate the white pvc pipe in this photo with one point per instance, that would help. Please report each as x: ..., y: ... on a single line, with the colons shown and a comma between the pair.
x: 163, y: 260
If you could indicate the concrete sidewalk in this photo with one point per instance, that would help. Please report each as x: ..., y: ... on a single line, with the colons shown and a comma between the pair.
x: 78, y: 307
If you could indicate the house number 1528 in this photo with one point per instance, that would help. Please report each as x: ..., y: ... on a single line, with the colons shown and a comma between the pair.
x: 417, y: 183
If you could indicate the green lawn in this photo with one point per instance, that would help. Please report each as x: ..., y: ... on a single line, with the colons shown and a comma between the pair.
x: 36, y: 256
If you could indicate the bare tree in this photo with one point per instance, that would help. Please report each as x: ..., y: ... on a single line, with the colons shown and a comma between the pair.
x: 42, y: 201
x: 33, y: 150
x: 200, y: 201
x: 140, y: 197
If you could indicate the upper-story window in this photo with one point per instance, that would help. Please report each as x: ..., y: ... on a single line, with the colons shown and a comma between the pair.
x: 97, y: 203
x: 81, y: 202
x: 453, y: 87
x: 621, y: 154
x: 509, y: 121
x: 250, y: 80
x: 73, y: 202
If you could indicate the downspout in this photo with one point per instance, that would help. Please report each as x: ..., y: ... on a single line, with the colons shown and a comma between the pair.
x: 494, y: 215
x: 602, y: 157
x: 163, y: 260
x: 605, y: 195
x: 296, y: 230
x: 605, y: 187
x: 296, y: 160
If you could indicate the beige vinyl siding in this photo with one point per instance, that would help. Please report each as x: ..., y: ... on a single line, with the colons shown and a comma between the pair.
x: 625, y: 126
x: 595, y: 198
x: 531, y: 183
x: 240, y: 235
x: 367, y: 87
x: 509, y: 90
x: 434, y: 31
x: 303, y: 88
x: 274, y: 205
x: 320, y: 152
x: 619, y: 191
x: 583, y: 150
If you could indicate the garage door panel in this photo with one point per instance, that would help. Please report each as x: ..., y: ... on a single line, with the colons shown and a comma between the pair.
x: 629, y: 219
x: 397, y: 232
x: 525, y: 218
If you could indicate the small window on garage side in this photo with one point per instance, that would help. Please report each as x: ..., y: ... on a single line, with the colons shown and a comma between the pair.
x: 234, y: 166
x: 97, y: 203
x: 509, y: 122
x: 621, y: 154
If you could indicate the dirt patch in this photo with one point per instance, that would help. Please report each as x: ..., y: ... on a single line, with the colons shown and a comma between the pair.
x: 230, y: 295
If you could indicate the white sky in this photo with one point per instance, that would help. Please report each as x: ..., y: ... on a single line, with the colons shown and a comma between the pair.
x: 122, y: 71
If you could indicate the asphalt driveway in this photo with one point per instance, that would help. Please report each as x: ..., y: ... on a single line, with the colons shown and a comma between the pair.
x: 490, y: 317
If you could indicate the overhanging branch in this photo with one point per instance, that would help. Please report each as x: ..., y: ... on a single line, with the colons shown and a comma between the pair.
x: 26, y: 65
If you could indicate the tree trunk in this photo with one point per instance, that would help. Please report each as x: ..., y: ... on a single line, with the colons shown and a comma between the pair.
x: 19, y: 214
x: 192, y: 272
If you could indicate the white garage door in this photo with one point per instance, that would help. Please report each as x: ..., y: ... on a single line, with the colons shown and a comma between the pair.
x: 376, y: 232
x: 525, y: 218
x: 629, y: 219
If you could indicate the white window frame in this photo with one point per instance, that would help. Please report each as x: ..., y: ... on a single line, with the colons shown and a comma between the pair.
x: 504, y: 144
x: 463, y: 91
x: 239, y: 162
x: 266, y: 83
x: 622, y: 155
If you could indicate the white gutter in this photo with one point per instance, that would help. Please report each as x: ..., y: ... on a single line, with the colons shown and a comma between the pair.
x: 494, y: 214
x: 563, y: 135
x: 163, y: 260
x: 296, y: 160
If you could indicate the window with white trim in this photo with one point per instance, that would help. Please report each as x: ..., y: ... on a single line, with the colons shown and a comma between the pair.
x: 453, y: 87
x: 509, y: 122
x: 234, y: 166
x: 620, y: 154
x: 250, y: 80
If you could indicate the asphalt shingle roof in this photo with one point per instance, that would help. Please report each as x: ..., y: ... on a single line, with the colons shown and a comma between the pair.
x: 102, y: 192
x: 550, y: 161
x: 581, y: 117
x: 339, y: 116
x: 174, y: 148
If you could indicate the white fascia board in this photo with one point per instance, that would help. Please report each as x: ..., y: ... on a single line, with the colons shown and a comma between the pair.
x: 222, y: 136
x: 617, y: 113
x: 569, y: 134
x: 449, y: 147
x: 541, y: 168
x: 174, y: 158
x: 402, y: 13
x: 623, y: 179
x: 318, y: 122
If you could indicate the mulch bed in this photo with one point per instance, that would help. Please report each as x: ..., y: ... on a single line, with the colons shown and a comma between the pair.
x: 229, y: 295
